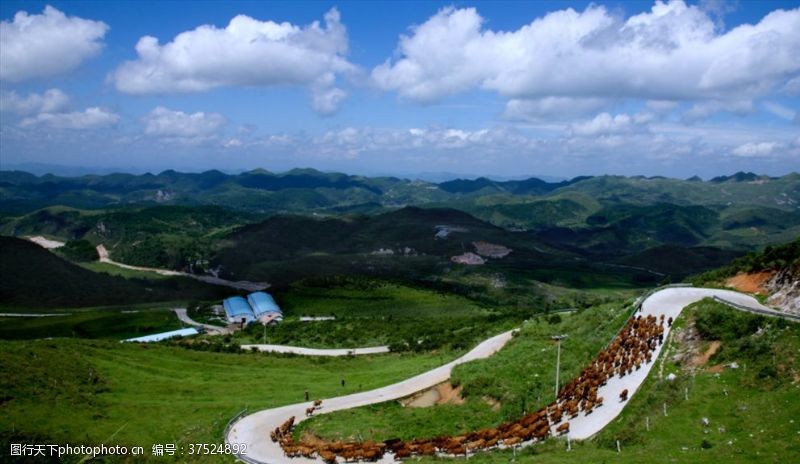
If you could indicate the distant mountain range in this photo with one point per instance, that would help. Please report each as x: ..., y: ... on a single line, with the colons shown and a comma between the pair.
x: 184, y: 220
x: 302, y: 190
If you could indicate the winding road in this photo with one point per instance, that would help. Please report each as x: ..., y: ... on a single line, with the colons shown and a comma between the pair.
x: 245, y: 285
x: 253, y: 430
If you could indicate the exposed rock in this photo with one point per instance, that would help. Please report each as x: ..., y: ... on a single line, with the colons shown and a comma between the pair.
x: 163, y: 195
x: 383, y: 252
x: 785, y: 289
x: 468, y: 258
x: 491, y: 250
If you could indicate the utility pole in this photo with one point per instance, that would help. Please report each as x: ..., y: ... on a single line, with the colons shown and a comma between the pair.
x: 558, y: 339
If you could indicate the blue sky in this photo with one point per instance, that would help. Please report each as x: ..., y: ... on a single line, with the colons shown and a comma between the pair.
x: 475, y: 88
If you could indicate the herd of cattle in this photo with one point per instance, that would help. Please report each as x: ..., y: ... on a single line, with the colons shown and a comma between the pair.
x: 631, y: 348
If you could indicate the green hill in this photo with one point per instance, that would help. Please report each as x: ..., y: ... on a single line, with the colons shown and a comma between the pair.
x: 36, y: 278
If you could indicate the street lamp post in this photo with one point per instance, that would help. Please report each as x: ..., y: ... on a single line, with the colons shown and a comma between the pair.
x: 558, y: 339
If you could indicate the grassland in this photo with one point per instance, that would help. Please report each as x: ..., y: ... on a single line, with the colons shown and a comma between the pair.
x: 91, y: 392
x: 372, y: 312
x: 105, y: 322
x: 752, y: 411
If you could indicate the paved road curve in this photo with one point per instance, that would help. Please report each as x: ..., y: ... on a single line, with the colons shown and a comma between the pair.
x: 239, y: 284
x: 669, y: 302
x: 254, y: 429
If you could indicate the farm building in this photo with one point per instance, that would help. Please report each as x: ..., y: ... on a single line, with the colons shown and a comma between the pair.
x: 264, y: 307
x: 238, y: 310
x: 258, y: 306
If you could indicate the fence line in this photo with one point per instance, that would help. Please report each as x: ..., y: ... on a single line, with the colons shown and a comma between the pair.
x: 766, y: 312
x: 239, y: 456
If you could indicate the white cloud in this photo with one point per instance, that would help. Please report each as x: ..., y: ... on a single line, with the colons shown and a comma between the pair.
x: 605, y: 124
x: 90, y: 118
x: 761, y: 149
x: 326, y: 101
x: 180, y: 126
x: 673, y: 52
x: 47, y: 44
x: 51, y: 101
x: 247, y: 52
x: 350, y: 142
x: 232, y: 143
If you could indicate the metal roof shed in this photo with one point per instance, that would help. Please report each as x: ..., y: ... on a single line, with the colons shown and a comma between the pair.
x: 263, y: 303
x: 236, y: 309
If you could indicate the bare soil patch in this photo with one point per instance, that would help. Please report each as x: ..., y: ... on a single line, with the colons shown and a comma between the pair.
x: 491, y: 250
x: 751, y: 283
x: 701, y: 359
x: 444, y: 393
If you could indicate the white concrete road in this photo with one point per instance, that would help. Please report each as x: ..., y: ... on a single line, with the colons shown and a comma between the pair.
x: 253, y: 430
x: 211, y: 329
x: 318, y: 351
x: 669, y: 302
x: 46, y: 242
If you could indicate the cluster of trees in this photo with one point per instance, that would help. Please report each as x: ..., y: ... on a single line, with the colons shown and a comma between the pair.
x: 779, y: 257
x: 81, y: 251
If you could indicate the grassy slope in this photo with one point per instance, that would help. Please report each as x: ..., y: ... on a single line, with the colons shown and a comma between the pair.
x: 372, y: 313
x: 113, y: 323
x: 519, y: 376
x: 36, y: 278
x: 86, y: 391
x: 756, y: 422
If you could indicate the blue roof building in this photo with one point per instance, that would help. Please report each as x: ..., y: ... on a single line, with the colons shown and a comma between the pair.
x: 237, y: 308
x: 264, y: 305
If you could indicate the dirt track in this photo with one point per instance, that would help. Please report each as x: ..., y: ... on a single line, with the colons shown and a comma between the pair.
x: 239, y: 285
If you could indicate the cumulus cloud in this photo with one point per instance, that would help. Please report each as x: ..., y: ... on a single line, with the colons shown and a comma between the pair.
x: 180, y: 126
x: 248, y: 52
x: 672, y: 52
x: 47, y: 44
x: 90, y: 118
x: 51, y: 101
x: 754, y: 150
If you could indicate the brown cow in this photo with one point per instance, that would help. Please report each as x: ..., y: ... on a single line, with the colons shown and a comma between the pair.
x: 327, y: 456
x: 624, y: 395
x: 309, y: 411
x: 563, y: 428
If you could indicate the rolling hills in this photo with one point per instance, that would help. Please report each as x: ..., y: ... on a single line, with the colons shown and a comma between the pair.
x: 36, y: 278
